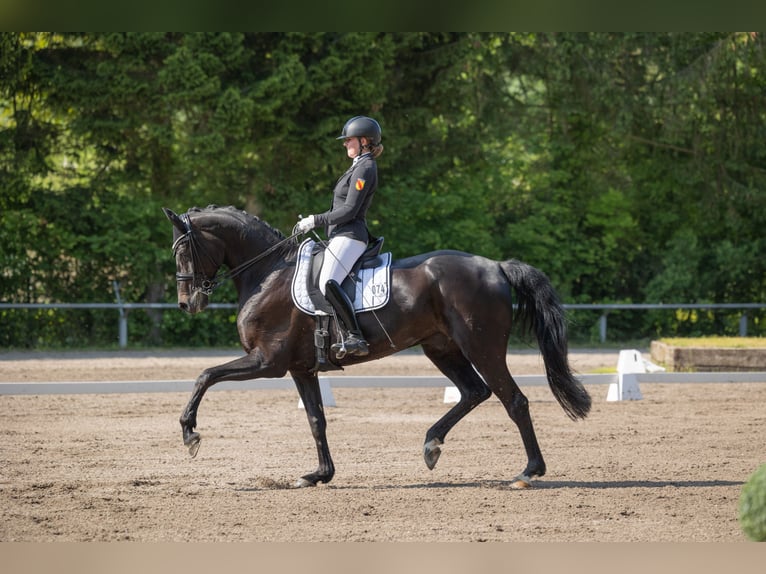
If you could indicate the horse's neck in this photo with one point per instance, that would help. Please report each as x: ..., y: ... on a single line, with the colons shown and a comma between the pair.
x: 241, y: 248
x: 243, y: 243
x: 252, y: 251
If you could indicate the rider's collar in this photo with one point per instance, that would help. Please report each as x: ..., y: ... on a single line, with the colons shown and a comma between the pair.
x: 359, y: 157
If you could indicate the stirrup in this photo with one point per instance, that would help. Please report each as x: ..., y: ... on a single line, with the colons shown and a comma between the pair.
x: 353, y: 345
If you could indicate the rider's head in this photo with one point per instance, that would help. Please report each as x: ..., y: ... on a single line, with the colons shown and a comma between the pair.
x: 366, y: 131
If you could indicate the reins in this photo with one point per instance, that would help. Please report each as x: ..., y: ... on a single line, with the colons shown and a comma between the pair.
x: 207, y: 286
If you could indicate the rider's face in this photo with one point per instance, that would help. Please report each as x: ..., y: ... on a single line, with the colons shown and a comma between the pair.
x: 352, y: 146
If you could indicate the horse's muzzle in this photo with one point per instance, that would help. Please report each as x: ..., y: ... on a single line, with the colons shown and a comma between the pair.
x: 194, y: 304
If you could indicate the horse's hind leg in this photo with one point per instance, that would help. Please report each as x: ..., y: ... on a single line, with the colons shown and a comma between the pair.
x: 473, y: 391
x: 501, y: 382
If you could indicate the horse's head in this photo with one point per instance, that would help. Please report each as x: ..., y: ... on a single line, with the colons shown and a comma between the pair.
x: 199, y: 254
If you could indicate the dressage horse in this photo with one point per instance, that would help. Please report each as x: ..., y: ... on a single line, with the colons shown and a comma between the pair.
x: 458, y: 307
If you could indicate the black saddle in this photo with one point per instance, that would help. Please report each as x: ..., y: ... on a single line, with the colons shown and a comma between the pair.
x: 369, y: 260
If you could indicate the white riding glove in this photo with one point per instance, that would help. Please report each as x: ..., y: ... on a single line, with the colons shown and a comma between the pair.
x: 305, y: 225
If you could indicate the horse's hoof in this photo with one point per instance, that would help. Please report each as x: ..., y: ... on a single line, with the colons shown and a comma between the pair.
x: 432, y: 452
x: 521, y: 482
x: 193, y: 442
x: 303, y: 483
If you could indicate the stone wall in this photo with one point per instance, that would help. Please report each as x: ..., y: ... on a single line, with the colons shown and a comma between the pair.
x: 708, y: 359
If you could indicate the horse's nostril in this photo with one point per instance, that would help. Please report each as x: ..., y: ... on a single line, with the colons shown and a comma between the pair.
x: 183, y: 306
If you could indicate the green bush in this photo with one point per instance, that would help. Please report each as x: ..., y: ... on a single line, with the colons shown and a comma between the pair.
x: 752, y: 506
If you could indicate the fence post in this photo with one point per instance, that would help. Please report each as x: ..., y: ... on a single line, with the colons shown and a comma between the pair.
x: 123, y: 326
x: 602, y: 327
x: 743, y: 325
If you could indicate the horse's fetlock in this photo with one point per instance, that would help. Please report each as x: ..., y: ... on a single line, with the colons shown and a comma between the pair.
x: 188, y: 421
x: 536, y: 469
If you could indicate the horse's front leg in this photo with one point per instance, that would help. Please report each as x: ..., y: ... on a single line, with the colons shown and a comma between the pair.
x: 309, y: 391
x: 250, y: 366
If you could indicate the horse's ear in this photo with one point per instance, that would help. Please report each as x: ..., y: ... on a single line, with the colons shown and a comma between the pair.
x: 174, y: 219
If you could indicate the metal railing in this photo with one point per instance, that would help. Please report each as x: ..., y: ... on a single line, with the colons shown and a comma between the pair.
x: 121, y: 307
x: 605, y: 308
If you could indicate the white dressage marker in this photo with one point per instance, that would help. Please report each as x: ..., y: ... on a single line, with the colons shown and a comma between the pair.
x: 451, y: 394
x: 629, y: 364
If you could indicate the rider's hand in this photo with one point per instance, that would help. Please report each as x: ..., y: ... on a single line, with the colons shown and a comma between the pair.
x: 306, y: 224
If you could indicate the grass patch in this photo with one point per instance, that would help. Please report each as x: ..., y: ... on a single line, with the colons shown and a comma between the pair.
x: 603, y: 371
x: 721, y: 342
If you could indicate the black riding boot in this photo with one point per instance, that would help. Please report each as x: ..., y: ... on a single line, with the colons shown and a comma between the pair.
x: 353, y: 342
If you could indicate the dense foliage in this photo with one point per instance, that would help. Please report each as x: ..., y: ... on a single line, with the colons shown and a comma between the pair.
x: 752, y: 506
x: 630, y: 167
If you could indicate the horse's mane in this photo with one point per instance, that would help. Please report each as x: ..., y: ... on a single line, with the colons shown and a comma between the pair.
x: 251, y: 222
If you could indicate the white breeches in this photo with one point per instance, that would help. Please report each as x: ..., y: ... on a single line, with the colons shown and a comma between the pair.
x: 341, y: 254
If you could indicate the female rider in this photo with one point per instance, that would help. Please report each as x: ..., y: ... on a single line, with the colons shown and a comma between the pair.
x: 346, y: 226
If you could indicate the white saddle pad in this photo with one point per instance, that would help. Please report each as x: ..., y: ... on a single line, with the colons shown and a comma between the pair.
x: 372, y: 292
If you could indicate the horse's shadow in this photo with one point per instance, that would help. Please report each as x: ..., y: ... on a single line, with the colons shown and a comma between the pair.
x: 604, y: 485
x: 565, y: 484
x: 538, y: 485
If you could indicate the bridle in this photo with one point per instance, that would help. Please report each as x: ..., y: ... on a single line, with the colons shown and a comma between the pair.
x: 200, y: 281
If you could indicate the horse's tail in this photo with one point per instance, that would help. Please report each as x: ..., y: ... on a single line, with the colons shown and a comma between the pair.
x: 539, y: 309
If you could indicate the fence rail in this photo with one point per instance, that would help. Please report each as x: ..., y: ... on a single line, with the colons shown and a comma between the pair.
x: 605, y: 308
x: 346, y: 381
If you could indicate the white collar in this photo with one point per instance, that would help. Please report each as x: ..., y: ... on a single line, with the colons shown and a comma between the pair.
x: 357, y: 158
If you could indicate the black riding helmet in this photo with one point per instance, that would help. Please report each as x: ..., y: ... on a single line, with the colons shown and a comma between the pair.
x: 361, y: 126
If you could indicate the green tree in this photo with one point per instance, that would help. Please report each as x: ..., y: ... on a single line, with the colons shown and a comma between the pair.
x: 627, y: 166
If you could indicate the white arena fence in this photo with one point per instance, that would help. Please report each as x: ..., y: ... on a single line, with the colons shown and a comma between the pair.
x: 348, y: 381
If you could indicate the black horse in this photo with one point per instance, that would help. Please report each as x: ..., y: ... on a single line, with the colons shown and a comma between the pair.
x: 457, y: 306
